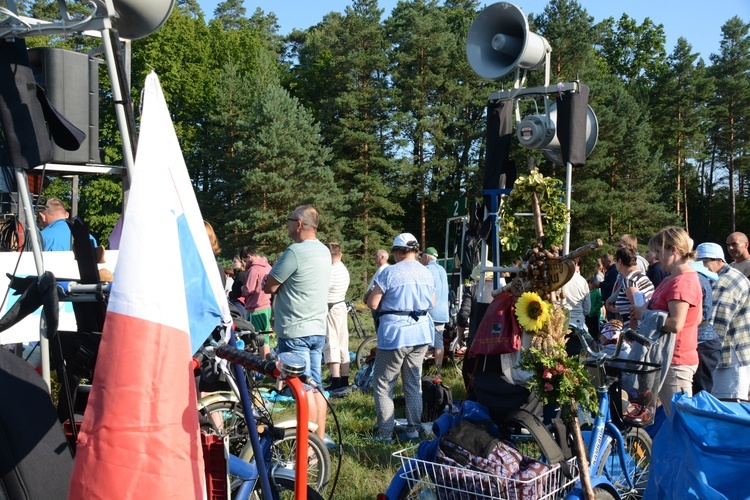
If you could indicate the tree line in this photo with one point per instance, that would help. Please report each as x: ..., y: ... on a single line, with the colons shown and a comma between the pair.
x: 379, y: 122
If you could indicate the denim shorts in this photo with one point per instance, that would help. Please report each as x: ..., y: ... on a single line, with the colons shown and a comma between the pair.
x: 311, y: 350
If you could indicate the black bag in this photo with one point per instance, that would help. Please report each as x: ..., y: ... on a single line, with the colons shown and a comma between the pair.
x: 36, y: 461
x: 435, y: 397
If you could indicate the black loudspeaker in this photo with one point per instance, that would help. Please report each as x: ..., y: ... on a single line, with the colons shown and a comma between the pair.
x: 71, y: 82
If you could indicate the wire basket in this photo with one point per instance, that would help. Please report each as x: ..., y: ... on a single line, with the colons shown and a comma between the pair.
x: 633, y: 387
x: 445, y: 482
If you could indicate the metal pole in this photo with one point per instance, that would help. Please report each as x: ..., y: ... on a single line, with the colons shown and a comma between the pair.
x: 120, y: 103
x: 568, y: 184
x: 24, y: 199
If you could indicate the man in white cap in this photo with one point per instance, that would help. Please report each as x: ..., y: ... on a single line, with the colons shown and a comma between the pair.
x: 731, y: 320
x: 440, y: 313
x: 403, y: 295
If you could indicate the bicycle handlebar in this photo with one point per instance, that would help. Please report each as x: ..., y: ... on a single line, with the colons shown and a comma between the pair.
x: 248, y: 360
x: 637, y: 337
x: 600, y: 357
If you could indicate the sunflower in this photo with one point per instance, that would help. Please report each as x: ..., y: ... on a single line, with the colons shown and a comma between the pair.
x: 532, y: 312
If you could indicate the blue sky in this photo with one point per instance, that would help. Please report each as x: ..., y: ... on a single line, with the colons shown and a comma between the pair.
x: 698, y: 21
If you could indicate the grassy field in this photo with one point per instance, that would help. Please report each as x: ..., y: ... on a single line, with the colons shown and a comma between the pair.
x: 367, y: 468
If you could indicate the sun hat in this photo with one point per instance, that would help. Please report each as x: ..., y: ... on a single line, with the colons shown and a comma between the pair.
x: 710, y: 251
x: 406, y: 240
x: 431, y: 251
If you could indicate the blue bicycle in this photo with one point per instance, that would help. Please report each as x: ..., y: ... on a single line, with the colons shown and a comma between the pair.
x: 619, y: 448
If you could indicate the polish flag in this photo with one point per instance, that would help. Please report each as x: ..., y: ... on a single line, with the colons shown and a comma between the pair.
x: 140, y: 433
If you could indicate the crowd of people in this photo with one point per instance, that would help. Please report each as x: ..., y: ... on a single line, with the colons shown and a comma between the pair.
x: 706, y: 300
x: 308, y: 285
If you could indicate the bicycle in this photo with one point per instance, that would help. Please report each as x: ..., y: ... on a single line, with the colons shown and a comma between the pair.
x: 280, y: 478
x: 222, y: 414
x: 453, y: 349
x: 421, y: 475
x: 619, y: 450
x: 356, y: 321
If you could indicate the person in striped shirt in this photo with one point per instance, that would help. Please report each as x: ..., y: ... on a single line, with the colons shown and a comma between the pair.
x: 634, y: 280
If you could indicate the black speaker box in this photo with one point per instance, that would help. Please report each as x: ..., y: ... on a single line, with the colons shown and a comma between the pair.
x: 71, y: 82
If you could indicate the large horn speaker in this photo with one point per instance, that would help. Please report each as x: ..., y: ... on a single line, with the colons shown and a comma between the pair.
x: 537, y: 132
x: 499, y: 41
x: 139, y: 18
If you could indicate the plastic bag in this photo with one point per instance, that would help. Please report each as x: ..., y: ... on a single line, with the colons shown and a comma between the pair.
x: 702, y: 450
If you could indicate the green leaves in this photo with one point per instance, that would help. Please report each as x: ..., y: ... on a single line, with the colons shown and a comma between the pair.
x: 559, y: 379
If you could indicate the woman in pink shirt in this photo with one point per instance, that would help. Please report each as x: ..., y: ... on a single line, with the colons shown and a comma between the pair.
x: 681, y: 296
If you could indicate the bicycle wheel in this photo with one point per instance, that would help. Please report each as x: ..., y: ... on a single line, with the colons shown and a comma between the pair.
x: 225, y: 418
x: 364, y: 350
x: 638, y: 461
x: 457, y: 355
x: 285, y: 489
x: 284, y: 452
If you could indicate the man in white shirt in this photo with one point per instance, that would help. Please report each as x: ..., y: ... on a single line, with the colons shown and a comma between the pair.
x: 577, y: 299
x: 336, y: 350
x: 737, y: 245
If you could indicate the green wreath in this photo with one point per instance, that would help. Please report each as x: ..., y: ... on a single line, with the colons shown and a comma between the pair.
x: 518, y: 232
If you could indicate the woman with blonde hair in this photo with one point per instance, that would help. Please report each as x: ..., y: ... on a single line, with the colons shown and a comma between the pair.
x: 681, y: 296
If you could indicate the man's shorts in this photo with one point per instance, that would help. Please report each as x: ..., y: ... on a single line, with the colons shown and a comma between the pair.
x: 733, y: 381
x: 336, y: 349
x: 437, y: 343
x: 311, y: 350
x: 261, y: 320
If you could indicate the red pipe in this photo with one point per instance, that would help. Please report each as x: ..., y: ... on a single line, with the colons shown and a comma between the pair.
x: 303, y: 413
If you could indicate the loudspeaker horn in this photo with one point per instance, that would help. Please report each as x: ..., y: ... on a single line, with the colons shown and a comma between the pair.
x: 540, y: 133
x: 499, y: 41
x: 136, y: 19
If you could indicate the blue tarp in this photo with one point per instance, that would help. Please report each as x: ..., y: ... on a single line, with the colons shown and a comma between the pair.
x: 702, y: 451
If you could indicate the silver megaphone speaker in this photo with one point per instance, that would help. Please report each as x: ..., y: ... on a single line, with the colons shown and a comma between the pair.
x: 540, y: 133
x: 135, y: 19
x: 499, y: 41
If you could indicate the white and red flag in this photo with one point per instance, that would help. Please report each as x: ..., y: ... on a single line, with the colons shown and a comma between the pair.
x: 140, y: 433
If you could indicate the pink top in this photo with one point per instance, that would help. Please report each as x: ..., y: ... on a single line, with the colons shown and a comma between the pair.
x: 687, y: 288
x: 255, y: 298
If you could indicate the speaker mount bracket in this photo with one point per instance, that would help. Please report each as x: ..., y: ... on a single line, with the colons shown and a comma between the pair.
x: 540, y: 91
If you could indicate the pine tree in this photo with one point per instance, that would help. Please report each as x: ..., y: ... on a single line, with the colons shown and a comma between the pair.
x: 731, y: 105
x: 677, y: 105
x: 421, y: 44
x: 285, y: 166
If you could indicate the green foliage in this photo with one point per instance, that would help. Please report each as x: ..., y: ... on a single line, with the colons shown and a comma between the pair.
x: 560, y: 380
x: 285, y: 166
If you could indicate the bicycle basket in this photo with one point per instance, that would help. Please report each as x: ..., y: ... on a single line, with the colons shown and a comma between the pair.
x: 638, y: 380
x: 448, y: 482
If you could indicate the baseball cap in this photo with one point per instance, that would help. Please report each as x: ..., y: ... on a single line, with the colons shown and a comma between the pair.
x: 710, y: 251
x: 407, y: 240
x: 431, y: 251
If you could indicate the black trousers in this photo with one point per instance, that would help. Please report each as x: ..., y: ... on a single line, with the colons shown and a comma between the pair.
x: 709, y: 355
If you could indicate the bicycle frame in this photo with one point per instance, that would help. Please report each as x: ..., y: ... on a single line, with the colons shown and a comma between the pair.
x: 604, y: 431
x: 352, y: 311
x: 289, y: 367
x: 601, y: 436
